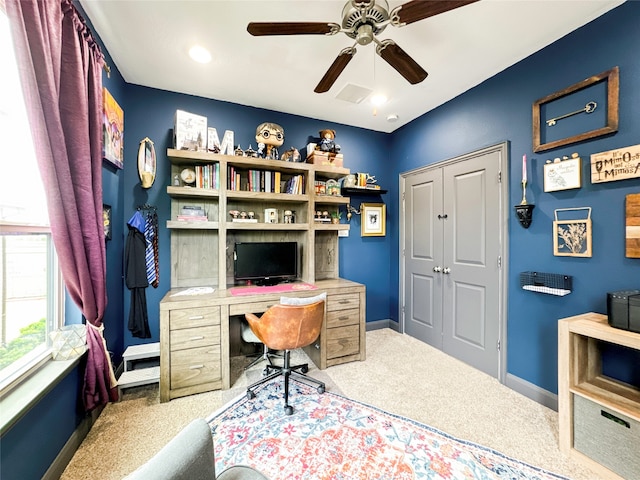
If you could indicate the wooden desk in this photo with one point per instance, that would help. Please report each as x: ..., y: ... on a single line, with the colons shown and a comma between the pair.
x: 194, y: 333
x: 580, y: 382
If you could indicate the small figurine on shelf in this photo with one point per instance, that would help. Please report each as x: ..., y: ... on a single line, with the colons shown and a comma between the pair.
x: 336, y: 216
x: 269, y: 136
x: 291, y: 155
x: 327, y: 141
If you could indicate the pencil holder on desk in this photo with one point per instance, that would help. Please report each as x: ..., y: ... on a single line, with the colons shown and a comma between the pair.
x: 550, y: 283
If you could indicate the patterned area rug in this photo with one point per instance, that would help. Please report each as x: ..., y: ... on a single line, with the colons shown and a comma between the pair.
x: 331, y: 437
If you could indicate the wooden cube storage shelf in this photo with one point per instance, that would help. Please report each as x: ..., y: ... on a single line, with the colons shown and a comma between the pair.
x: 583, y: 389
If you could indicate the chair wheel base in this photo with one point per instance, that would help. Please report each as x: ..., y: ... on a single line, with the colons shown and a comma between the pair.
x: 288, y: 410
x: 304, y: 369
x: 250, y: 395
x: 320, y: 389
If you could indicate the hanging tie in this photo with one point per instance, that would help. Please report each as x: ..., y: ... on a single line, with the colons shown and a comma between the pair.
x: 149, y: 256
x: 156, y: 259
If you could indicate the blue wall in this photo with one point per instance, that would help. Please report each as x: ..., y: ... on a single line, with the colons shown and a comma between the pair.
x: 499, y: 110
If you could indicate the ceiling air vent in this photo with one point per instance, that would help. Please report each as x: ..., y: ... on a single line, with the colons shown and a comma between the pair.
x: 353, y: 93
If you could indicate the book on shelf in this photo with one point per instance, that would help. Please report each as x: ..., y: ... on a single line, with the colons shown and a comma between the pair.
x: 295, y: 185
x: 192, y: 210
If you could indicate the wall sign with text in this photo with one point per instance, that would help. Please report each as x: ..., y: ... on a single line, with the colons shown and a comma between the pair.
x: 562, y: 175
x: 618, y: 164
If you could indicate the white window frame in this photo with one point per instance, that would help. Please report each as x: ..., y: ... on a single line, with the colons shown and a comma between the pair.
x: 40, y: 357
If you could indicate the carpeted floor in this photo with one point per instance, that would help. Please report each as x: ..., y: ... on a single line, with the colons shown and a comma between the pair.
x: 401, y: 375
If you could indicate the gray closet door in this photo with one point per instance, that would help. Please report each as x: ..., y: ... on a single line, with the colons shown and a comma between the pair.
x: 452, y: 283
x: 423, y: 257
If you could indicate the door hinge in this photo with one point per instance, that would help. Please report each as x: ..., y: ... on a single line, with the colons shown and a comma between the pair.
x: 498, y: 345
x: 499, y: 261
x: 499, y: 177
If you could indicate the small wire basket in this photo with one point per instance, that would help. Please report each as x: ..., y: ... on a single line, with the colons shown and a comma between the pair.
x: 550, y: 283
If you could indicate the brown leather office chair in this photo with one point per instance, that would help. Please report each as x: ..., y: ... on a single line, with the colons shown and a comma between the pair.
x: 287, y: 327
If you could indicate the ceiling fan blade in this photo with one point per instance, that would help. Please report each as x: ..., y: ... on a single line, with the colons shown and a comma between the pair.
x: 401, y: 61
x: 259, y: 29
x: 336, y: 68
x: 419, y: 10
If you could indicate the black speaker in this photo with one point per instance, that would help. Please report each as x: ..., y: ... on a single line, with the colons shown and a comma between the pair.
x: 634, y: 313
x: 618, y: 308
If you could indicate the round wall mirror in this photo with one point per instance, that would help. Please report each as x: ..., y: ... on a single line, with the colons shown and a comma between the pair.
x: 146, y: 163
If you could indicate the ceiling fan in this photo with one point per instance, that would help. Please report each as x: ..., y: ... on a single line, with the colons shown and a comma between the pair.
x: 362, y: 20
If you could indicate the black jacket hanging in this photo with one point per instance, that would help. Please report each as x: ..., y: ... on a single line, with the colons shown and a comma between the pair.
x: 136, y: 280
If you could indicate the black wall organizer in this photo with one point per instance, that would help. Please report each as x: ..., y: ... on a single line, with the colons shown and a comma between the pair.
x: 550, y: 283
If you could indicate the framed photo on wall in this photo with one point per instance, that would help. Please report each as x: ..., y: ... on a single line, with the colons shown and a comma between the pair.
x: 106, y: 221
x: 373, y: 219
x: 112, y: 130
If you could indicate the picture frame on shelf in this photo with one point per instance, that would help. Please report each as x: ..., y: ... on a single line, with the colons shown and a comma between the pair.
x: 113, y: 130
x: 584, y: 110
x: 373, y: 218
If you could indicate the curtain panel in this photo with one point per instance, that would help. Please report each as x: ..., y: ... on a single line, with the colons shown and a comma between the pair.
x: 61, y: 72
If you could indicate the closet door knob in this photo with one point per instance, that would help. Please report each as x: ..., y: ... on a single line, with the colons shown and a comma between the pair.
x: 446, y: 270
x: 437, y: 269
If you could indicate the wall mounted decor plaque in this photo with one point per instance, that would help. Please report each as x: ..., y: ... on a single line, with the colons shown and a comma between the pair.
x: 585, y: 110
x: 562, y: 174
x: 633, y: 225
x: 572, y: 238
x: 618, y: 164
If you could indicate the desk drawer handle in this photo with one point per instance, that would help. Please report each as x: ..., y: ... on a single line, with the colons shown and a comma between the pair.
x: 196, y: 317
x: 192, y: 339
x: 196, y: 367
x: 344, y: 318
x: 343, y: 302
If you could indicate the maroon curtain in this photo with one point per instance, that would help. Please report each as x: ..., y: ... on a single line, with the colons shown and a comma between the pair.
x: 61, y: 71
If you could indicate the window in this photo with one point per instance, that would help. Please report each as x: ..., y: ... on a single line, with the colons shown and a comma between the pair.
x: 30, y: 284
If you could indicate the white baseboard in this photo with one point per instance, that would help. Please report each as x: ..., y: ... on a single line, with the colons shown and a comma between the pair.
x: 535, y: 393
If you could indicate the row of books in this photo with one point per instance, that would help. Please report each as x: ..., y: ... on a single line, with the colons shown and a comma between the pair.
x: 208, y: 176
x: 263, y: 181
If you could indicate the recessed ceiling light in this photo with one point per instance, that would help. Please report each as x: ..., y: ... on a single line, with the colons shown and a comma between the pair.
x: 200, y: 54
x: 379, y: 99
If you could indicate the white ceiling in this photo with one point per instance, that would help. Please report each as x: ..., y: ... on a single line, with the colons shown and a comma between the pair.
x: 149, y: 40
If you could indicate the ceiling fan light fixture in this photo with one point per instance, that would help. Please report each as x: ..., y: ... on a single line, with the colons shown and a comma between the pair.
x: 379, y: 99
x: 199, y: 54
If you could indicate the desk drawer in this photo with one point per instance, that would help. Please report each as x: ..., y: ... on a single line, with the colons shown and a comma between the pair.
x: 341, y: 318
x: 195, y: 366
x: 194, y: 317
x: 194, y: 337
x: 253, y: 307
x: 343, y: 341
x: 343, y: 301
